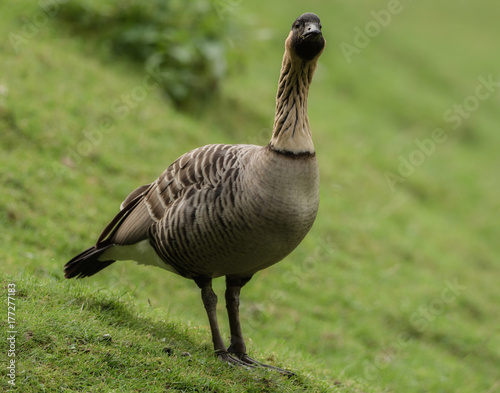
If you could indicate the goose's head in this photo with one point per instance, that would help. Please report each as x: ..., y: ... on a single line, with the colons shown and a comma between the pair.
x: 305, y: 40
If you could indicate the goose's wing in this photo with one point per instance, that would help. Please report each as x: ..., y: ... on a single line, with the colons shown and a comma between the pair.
x: 148, y: 204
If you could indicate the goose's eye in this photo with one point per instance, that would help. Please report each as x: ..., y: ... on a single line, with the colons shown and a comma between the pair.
x: 297, y: 25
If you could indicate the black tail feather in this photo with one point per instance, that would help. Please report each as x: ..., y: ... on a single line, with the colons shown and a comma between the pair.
x: 87, y: 264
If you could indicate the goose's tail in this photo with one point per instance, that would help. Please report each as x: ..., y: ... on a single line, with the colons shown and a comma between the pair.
x: 87, y: 263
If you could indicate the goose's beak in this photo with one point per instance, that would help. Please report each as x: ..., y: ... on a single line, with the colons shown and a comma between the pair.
x: 312, y: 31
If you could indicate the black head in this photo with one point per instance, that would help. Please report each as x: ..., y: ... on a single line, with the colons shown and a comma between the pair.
x: 306, y: 39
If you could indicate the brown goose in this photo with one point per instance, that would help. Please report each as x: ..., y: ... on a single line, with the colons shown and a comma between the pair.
x: 227, y: 210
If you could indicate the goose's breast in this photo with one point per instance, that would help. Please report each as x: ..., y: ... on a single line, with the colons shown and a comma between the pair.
x: 242, y: 226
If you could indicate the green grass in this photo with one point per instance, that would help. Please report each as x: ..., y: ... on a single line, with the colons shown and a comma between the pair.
x: 95, y: 341
x: 365, y: 300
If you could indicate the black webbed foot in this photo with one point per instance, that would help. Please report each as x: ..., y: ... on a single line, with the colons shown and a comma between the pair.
x: 248, y: 361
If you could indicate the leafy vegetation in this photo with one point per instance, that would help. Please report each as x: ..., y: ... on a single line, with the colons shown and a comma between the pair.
x: 394, y: 290
x: 182, y: 43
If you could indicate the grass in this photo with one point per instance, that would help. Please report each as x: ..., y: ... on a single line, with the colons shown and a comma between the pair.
x: 105, y: 341
x: 394, y: 290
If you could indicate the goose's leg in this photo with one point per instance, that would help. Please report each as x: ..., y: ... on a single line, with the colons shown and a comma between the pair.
x: 237, y: 347
x: 210, y: 302
x: 233, y: 288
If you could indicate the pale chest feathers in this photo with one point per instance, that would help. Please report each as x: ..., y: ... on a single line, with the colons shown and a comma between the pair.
x: 250, y: 223
x: 287, y: 191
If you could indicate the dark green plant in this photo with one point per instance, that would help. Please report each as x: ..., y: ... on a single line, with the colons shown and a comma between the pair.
x: 183, y: 40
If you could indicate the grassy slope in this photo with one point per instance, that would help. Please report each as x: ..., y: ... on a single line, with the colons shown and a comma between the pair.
x: 363, y: 300
x: 104, y: 341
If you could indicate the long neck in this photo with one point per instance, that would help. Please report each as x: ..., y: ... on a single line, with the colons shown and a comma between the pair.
x: 291, y: 131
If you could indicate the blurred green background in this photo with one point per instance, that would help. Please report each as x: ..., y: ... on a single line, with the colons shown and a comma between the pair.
x: 396, y: 286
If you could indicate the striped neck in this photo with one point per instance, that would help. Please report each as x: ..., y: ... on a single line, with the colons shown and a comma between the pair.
x: 291, y: 131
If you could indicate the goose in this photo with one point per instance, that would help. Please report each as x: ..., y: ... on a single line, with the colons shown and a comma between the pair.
x: 227, y: 210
